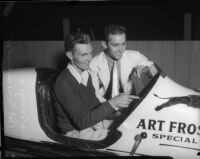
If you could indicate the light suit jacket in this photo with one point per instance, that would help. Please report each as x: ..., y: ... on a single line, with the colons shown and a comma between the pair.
x: 101, y: 74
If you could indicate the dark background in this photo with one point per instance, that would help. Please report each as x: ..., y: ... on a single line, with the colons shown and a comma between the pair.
x: 144, y: 19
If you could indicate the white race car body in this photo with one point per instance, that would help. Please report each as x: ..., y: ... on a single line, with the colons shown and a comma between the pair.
x: 171, y: 131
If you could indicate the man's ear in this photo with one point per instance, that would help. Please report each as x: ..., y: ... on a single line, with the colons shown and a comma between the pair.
x: 103, y: 43
x: 69, y: 55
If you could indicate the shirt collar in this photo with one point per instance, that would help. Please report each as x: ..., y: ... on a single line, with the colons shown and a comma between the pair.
x: 81, y: 78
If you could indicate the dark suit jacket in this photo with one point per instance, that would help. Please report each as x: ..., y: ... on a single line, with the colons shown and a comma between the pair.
x: 79, y: 108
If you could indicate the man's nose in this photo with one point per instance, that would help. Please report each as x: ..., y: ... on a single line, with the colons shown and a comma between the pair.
x: 90, y: 57
x: 120, y: 49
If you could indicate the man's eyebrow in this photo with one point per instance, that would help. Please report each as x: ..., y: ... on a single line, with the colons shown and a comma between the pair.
x: 115, y: 43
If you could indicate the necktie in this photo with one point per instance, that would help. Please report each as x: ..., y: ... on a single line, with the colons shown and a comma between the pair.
x: 115, y: 82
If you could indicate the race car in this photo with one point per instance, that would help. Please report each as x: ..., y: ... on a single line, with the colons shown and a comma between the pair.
x: 164, y: 122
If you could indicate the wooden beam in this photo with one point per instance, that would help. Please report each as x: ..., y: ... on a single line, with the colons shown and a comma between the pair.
x: 187, y: 26
x: 66, y: 27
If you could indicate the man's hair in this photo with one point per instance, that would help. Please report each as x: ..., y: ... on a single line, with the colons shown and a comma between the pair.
x: 76, y: 38
x: 113, y: 28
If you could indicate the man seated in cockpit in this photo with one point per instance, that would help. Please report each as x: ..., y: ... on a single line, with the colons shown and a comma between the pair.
x: 116, y: 69
x: 115, y: 62
x: 80, y: 113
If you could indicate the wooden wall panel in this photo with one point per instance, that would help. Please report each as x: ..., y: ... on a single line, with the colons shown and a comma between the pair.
x: 168, y: 58
x: 54, y: 50
x: 6, y: 55
x: 131, y: 45
x: 35, y: 51
x: 142, y: 46
x: 180, y: 60
x: 194, y: 73
x: 46, y: 54
x: 97, y: 47
x: 155, y: 54
x: 14, y: 55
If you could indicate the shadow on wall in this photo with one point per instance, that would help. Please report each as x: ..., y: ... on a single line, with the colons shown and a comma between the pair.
x: 11, y: 65
x: 45, y: 54
x: 34, y: 59
x: 60, y: 60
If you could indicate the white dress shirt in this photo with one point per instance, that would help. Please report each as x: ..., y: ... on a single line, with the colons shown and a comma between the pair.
x: 81, y: 78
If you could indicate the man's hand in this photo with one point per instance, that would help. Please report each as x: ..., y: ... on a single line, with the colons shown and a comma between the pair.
x: 122, y: 100
x: 140, y: 70
x: 148, y: 70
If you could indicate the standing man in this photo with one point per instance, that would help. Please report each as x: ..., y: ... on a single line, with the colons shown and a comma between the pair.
x: 114, y: 66
x: 80, y: 113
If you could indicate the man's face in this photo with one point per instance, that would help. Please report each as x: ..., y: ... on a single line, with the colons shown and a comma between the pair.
x: 81, y: 56
x: 116, y: 45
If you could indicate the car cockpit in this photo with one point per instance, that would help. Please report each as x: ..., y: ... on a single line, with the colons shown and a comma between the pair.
x: 47, y: 117
x: 46, y: 101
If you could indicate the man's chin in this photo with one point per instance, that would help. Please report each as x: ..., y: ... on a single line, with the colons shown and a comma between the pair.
x: 118, y: 58
x: 85, y: 68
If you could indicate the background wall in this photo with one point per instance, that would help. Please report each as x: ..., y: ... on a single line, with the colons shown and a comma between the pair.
x: 180, y: 60
x: 143, y: 19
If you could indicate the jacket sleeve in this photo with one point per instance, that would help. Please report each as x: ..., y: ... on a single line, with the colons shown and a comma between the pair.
x: 80, y: 117
x: 96, y: 85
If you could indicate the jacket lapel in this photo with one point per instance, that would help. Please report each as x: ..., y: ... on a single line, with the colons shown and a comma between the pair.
x: 104, y: 73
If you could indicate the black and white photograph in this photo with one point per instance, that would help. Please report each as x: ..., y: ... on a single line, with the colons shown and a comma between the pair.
x: 100, y: 79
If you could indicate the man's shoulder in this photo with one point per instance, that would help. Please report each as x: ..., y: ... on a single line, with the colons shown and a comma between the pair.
x: 133, y: 56
x: 96, y: 60
x: 131, y: 52
x: 62, y: 77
